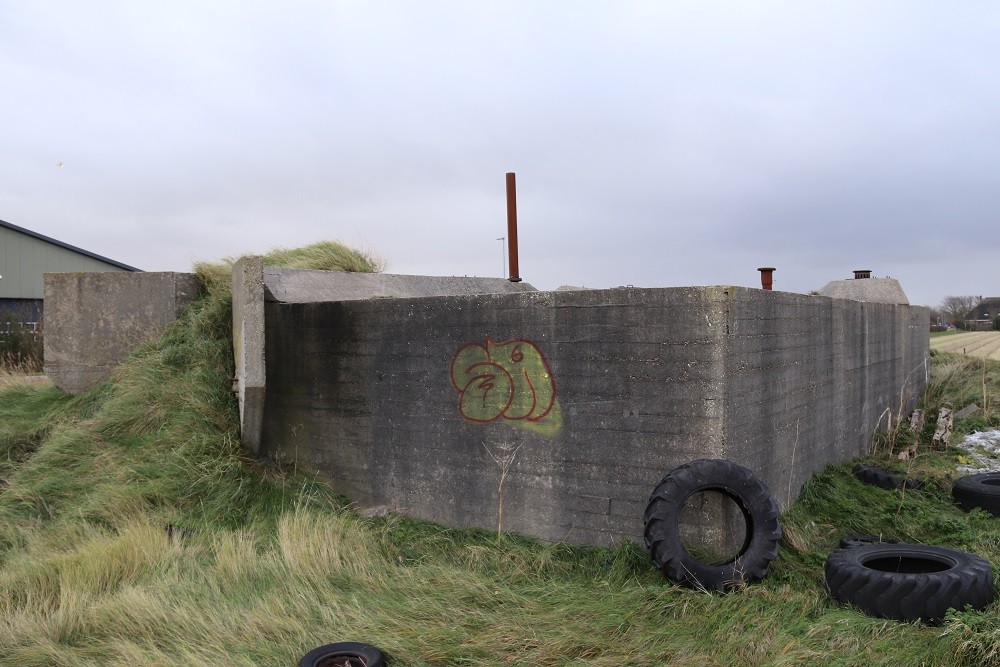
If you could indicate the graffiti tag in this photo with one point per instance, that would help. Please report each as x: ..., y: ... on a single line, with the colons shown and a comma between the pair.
x: 511, y: 379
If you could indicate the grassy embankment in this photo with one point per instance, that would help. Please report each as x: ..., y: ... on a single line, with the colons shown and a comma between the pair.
x: 134, y: 531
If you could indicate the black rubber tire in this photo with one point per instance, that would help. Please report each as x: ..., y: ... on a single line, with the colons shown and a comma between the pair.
x: 662, y: 525
x: 848, y: 541
x: 907, y: 582
x: 343, y: 654
x: 981, y: 490
x: 884, y: 479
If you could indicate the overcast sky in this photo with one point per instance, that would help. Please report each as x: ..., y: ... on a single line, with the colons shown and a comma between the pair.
x: 655, y: 143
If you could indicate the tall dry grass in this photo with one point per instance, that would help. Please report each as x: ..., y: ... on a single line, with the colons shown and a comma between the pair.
x: 13, y: 373
x: 134, y: 530
x: 321, y: 256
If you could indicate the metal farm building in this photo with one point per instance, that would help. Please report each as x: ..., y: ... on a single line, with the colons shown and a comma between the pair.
x: 26, y: 255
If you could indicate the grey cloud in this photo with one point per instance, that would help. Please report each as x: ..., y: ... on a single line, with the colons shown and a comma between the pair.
x: 655, y: 143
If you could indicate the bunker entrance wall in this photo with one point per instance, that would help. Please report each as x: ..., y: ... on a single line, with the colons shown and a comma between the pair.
x: 551, y: 414
x: 554, y: 414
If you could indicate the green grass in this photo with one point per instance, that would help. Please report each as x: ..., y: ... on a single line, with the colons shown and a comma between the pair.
x: 322, y: 256
x: 949, y: 332
x: 133, y: 530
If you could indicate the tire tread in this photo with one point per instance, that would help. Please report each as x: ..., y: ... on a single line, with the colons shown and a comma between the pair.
x: 909, y: 596
x: 661, y: 531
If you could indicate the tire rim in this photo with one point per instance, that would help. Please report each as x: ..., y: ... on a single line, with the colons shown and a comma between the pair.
x: 341, y: 660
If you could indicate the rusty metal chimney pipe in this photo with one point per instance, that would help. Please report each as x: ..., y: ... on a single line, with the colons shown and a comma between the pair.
x: 766, y: 277
x: 512, y: 227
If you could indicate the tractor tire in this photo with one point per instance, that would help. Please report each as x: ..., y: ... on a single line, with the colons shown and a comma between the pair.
x: 884, y: 479
x: 908, y: 582
x: 982, y: 490
x: 343, y: 654
x: 662, y: 525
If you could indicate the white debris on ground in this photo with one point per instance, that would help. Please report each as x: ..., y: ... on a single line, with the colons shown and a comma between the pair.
x: 984, y: 450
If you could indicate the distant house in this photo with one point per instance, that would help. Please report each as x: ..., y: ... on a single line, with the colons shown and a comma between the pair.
x: 983, y: 315
x: 26, y: 255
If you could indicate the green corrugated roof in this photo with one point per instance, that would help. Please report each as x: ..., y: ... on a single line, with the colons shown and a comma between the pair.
x: 67, y: 246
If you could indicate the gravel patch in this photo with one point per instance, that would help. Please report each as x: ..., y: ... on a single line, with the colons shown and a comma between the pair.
x: 984, y: 450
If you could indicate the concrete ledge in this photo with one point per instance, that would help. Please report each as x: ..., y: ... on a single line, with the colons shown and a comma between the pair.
x: 302, y: 286
x: 94, y: 321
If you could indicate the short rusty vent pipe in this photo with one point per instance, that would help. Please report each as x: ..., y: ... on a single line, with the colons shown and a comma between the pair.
x: 862, y: 273
x: 766, y: 277
x: 512, y: 227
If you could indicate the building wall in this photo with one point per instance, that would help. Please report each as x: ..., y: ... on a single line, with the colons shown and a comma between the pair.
x: 93, y: 321
x: 24, y: 259
x: 810, y: 380
x: 560, y: 411
x: 982, y: 317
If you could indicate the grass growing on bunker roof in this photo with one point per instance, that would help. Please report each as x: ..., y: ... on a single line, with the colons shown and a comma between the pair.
x: 321, y: 256
x: 134, y: 530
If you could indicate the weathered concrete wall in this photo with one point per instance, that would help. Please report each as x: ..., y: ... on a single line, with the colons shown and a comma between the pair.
x: 810, y: 379
x: 872, y: 290
x: 365, y: 395
x: 253, y: 284
x: 248, y: 347
x: 562, y: 410
x: 93, y: 321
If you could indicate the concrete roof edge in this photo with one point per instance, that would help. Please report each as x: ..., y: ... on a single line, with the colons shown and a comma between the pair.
x: 310, y: 286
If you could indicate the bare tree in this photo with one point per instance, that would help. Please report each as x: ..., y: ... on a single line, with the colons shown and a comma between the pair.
x: 954, y: 308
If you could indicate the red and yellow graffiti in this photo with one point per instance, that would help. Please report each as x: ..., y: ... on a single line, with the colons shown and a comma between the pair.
x: 511, y: 379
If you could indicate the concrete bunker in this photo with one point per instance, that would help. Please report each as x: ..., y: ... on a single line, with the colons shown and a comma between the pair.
x: 479, y: 402
x: 94, y: 321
